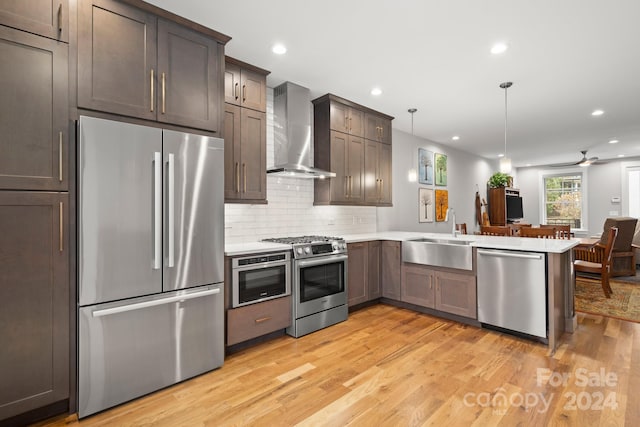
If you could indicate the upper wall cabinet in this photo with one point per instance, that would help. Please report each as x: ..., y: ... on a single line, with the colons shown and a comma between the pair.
x: 48, y: 18
x: 34, y: 112
x: 132, y: 63
x: 377, y: 128
x: 362, y: 166
x: 245, y: 85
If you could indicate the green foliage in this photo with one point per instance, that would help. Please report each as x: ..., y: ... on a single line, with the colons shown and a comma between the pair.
x: 499, y: 179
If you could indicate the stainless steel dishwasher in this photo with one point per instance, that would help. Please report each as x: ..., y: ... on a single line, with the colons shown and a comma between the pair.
x: 512, y: 290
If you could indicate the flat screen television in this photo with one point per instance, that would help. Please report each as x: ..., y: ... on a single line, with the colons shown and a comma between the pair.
x: 514, y: 208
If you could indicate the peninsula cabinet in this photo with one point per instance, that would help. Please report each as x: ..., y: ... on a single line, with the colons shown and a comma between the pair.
x: 362, y: 165
x: 47, y: 18
x: 34, y: 112
x: 245, y: 85
x: 363, y: 281
x: 132, y: 63
x: 34, y: 303
x: 245, y: 155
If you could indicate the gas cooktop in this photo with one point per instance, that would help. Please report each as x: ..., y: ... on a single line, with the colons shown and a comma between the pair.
x: 302, y: 239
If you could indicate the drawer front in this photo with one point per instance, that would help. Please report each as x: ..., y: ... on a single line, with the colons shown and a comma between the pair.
x: 258, y: 319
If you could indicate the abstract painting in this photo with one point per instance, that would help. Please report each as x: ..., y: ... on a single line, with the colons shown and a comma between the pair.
x: 441, y: 169
x: 442, y: 204
x: 425, y: 166
x: 425, y: 203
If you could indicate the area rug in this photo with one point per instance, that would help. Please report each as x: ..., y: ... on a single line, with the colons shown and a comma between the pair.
x: 624, y: 302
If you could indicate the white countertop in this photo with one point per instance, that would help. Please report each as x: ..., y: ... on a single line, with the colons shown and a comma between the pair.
x: 488, y: 242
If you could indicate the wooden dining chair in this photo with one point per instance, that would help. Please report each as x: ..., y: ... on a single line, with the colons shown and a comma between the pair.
x: 562, y: 231
x: 462, y: 228
x: 541, y: 233
x: 495, y: 230
x: 515, y: 228
x: 604, y: 267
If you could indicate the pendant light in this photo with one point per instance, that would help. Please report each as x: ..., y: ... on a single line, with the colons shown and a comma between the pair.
x: 505, y: 162
x: 412, y: 175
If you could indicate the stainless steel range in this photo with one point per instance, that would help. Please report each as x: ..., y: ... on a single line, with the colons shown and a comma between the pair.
x: 319, y: 288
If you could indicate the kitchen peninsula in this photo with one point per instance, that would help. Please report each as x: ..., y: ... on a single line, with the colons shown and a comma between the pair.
x: 555, y: 256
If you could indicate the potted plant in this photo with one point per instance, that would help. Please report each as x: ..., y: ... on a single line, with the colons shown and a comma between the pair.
x: 499, y: 179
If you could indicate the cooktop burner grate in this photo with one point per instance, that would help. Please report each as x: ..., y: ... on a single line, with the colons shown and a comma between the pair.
x: 301, y: 239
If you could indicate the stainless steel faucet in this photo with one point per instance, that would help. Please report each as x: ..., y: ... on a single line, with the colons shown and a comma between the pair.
x: 451, y: 214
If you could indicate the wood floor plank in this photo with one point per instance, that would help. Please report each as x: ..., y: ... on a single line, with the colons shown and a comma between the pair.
x: 388, y: 366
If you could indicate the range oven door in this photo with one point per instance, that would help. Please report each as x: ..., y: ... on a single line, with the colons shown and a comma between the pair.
x: 320, y: 283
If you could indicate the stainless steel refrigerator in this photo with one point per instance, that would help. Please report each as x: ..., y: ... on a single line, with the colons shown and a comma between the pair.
x: 150, y: 259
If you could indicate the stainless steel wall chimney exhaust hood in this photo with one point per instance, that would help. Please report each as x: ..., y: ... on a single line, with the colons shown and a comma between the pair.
x: 292, y: 133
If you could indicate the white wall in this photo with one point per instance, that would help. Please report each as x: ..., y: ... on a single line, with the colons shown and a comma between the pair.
x: 464, y: 171
x: 603, y: 183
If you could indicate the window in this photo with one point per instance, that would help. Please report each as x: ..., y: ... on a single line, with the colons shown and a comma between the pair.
x: 631, y: 189
x: 563, y: 199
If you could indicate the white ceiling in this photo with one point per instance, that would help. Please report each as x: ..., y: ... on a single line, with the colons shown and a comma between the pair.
x: 565, y: 58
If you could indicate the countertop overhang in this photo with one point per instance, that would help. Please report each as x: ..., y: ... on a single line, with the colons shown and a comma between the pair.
x: 479, y: 241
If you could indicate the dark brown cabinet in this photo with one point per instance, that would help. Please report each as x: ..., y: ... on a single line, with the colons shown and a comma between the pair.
x: 245, y: 85
x: 252, y: 321
x: 418, y: 285
x: 377, y: 128
x: 377, y: 173
x: 363, y: 282
x: 362, y: 166
x: 47, y: 18
x: 245, y: 141
x: 357, y: 273
x: 34, y: 298
x: 34, y: 112
x: 132, y: 63
x: 498, y: 203
x: 390, y: 269
x: 446, y: 291
x: 347, y: 161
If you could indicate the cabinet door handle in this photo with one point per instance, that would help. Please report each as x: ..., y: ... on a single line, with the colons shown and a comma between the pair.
x: 350, y: 124
x: 60, y: 19
x: 152, y: 87
x: 346, y: 122
x: 381, y: 187
x: 263, y: 319
x: 235, y: 91
x: 350, y: 185
x: 237, y: 177
x: 164, y: 93
x: 61, y: 227
x: 244, y: 93
x: 244, y: 177
x: 60, y: 156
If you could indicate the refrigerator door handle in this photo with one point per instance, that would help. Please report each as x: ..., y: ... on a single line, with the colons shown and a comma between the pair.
x: 157, y: 210
x: 171, y: 194
x: 152, y: 303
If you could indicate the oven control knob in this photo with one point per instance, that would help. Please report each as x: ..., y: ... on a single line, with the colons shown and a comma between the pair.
x: 307, y: 250
x: 299, y: 251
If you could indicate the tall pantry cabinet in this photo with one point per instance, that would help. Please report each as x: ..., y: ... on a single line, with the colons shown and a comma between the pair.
x: 35, y: 284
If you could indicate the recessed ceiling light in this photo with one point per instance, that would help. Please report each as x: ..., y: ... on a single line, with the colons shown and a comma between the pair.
x: 455, y: 137
x: 613, y: 141
x: 279, y: 49
x: 499, y: 48
x: 597, y: 113
x: 528, y: 164
x: 620, y: 155
x: 501, y: 155
x: 376, y: 91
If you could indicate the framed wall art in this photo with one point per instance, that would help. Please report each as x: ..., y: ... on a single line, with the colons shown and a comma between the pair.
x: 425, y: 166
x: 425, y: 203
x: 440, y: 163
x: 442, y: 204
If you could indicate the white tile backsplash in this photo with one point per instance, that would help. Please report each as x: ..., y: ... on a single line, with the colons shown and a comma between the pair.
x: 290, y: 211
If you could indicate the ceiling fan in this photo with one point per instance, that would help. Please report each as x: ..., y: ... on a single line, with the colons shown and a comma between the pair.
x: 585, y: 161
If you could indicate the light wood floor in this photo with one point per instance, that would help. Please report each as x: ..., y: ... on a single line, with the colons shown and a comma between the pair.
x: 387, y: 366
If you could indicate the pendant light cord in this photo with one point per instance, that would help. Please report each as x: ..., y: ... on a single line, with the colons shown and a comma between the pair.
x: 505, y: 122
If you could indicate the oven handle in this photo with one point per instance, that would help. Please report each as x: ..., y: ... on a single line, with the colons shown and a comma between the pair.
x: 321, y: 260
